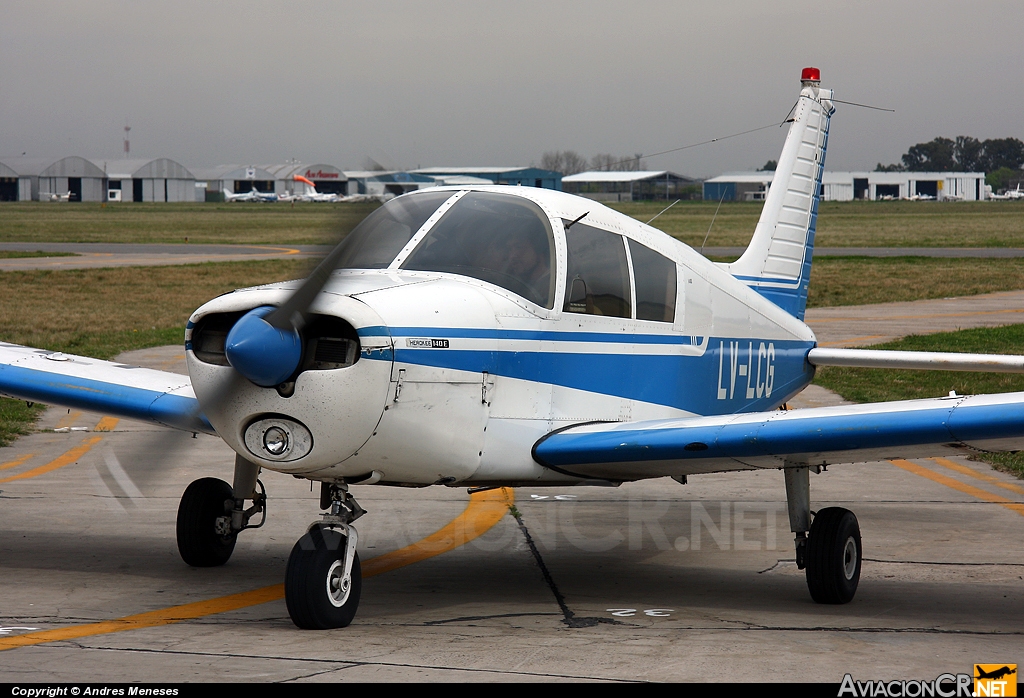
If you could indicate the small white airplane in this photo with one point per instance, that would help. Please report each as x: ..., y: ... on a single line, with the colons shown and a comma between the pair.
x: 512, y: 336
x: 1010, y: 194
x: 251, y: 195
x: 46, y: 196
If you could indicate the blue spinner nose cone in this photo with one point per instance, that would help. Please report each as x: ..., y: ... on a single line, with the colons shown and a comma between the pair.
x: 261, y: 352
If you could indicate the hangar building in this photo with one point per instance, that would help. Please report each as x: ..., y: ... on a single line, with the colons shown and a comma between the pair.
x: 82, y: 178
x: 95, y: 180
x: 848, y: 186
x: 630, y: 186
x: 149, y: 180
x: 8, y: 183
x: 327, y: 179
x: 523, y: 176
x: 26, y: 173
x: 213, y: 183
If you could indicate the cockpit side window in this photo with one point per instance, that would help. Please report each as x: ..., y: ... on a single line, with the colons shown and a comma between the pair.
x: 655, y: 277
x: 597, y: 274
x: 501, y: 239
x: 378, y: 239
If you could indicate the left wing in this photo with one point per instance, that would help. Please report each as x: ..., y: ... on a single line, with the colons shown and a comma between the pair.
x: 817, y: 436
x: 158, y: 397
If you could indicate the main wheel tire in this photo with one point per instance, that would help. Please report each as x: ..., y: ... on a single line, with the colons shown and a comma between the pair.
x: 198, y: 541
x: 833, y: 556
x: 311, y: 582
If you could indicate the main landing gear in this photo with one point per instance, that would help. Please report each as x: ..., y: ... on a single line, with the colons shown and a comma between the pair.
x: 829, y: 549
x: 323, y: 580
x: 212, y: 512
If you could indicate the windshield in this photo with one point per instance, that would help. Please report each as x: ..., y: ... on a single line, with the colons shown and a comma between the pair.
x: 501, y: 239
x: 378, y: 239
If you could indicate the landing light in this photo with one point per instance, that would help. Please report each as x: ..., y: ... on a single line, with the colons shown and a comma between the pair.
x: 278, y: 439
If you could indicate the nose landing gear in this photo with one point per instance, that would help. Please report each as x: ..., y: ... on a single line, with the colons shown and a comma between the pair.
x: 323, y: 579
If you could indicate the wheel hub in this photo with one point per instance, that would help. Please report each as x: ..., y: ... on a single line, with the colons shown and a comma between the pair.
x: 338, y: 584
x: 850, y: 558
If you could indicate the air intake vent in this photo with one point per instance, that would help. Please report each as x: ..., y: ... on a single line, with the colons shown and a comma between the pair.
x: 334, y: 352
x: 330, y: 342
x: 209, y: 336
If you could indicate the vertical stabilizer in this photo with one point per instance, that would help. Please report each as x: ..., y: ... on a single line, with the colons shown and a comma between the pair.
x: 777, y: 263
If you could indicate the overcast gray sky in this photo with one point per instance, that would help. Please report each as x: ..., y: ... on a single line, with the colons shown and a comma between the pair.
x: 498, y: 83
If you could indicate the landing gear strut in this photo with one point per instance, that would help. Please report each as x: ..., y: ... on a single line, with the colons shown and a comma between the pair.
x: 212, y: 513
x: 829, y: 549
x: 323, y: 579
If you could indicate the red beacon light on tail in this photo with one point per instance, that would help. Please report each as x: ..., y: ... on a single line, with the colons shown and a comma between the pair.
x: 810, y: 75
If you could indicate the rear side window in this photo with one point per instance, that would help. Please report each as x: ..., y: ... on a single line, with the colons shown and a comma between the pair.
x: 502, y: 239
x: 597, y: 278
x: 655, y: 277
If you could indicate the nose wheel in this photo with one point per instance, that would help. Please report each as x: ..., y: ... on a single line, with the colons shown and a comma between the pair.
x: 318, y: 590
x: 323, y: 579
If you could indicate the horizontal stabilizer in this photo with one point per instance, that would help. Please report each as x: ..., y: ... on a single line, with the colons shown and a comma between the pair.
x: 919, y: 360
x: 819, y: 436
x: 53, y: 378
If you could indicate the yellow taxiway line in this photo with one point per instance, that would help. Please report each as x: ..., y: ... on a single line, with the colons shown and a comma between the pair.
x: 105, y: 424
x: 484, y: 510
x: 963, y: 469
x: 66, y: 459
x: 981, y: 494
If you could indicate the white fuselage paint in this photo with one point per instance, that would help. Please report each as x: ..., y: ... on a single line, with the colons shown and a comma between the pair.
x: 419, y: 423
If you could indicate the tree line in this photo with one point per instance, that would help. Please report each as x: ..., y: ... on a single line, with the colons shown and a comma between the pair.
x: 999, y: 158
x: 569, y: 162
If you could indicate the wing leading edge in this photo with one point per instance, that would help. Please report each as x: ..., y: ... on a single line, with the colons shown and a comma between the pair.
x: 818, y: 436
x: 158, y: 397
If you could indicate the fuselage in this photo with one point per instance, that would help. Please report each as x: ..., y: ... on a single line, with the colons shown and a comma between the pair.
x: 455, y: 371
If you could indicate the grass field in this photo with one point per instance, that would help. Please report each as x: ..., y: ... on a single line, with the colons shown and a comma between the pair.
x: 247, y: 224
x: 840, y: 224
x: 851, y: 223
x: 22, y: 254
x: 875, y: 385
x: 862, y: 280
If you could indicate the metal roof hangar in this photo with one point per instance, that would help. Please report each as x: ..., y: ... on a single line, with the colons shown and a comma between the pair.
x: 149, y: 180
x: 848, y: 186
x: 327, y: 179
x: 214, y: 182
x: 86, y: 179
x: 523, y: 176
x: 630, y: 186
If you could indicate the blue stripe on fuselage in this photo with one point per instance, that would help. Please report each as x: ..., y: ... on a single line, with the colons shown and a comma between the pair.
x: 730, y: 376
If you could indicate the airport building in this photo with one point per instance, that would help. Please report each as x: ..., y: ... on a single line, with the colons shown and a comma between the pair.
x: 515, y: 176
x: 631, y: 186
x: 850, y: 186
x: 213, y: 183
x: 149, y: 180
x: 83, y: 179
x: 327, y: 179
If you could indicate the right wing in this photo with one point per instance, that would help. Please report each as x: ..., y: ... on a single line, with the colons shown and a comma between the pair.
x: 158, y: 397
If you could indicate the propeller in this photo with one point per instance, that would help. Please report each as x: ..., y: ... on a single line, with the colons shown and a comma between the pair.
x: 265, y: 345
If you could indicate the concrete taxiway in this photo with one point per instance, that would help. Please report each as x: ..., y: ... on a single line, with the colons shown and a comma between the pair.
x: 91, y: 255
x: 651, y: 581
